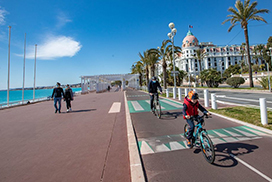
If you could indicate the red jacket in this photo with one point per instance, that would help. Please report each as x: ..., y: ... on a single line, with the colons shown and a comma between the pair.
x: 192, y: 109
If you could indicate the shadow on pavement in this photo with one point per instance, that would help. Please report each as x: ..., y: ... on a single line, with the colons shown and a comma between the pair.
x: 86, y: 110
x: 170, y: 115
x: 223, y: 151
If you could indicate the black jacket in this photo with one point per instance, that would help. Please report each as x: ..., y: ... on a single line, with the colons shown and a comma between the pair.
x: 153, y: 87
x: 58, y: 92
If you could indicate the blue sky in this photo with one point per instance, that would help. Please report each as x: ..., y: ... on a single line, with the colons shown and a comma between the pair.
x: 90, y: 37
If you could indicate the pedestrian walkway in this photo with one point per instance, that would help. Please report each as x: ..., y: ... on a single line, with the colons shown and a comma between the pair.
x: 88, y: 144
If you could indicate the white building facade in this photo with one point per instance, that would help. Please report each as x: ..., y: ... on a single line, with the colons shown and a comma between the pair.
x: 218, y: 57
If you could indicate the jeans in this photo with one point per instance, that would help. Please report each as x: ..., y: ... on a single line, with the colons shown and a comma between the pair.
x: 191, y: 123
x: 152, y: 99
x: 57, y: 99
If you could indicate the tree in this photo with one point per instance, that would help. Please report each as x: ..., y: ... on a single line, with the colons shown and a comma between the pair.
x: 138, y: 69
x: 200, y: 55
x: 232, y: 70
x: 235, y: 81
x: 162, y: 52
x: 152, y: 60
x: 244, y: 13
x: 211, y: 76
x: 145, y: 62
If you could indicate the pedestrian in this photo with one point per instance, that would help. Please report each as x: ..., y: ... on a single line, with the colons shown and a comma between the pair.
x: 108, y: 88
x: 57, y: 95
x: 68, y: 96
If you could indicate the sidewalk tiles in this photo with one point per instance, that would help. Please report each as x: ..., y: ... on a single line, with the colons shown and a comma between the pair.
x: 177, y: 142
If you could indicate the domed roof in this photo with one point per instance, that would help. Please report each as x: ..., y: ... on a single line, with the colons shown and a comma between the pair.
x: 190, y: 40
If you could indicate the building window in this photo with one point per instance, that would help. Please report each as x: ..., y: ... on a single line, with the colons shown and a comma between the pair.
x: 196, y: 65
x: 209, y: 64
x: 187, y: 51
x: 215, y: 64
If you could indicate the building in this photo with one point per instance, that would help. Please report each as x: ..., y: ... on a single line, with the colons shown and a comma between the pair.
x: 218, y: 57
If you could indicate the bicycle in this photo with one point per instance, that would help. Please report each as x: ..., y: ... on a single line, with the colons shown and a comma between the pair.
x: 157, y: 106
x: 201, y: 138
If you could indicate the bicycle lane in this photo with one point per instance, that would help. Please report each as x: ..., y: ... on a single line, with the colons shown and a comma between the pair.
x: 165, y: 156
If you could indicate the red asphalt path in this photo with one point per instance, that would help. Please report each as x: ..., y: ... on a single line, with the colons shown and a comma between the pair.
x: 88, y: 144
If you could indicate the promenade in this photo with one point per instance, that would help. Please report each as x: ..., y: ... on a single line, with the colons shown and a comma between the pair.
x: 88, y: 144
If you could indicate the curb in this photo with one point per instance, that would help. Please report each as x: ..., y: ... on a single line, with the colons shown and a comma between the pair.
x: 136, y: 168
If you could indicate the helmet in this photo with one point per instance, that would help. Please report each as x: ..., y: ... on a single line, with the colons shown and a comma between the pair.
x: 154, y: 78
x: 193, y: 95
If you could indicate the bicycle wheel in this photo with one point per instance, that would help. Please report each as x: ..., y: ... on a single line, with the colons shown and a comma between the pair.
x: 186, y: 130
x: 158, y: 109
x: 207, y: 147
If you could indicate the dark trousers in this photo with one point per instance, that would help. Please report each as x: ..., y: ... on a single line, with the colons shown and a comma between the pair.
x: 57, y: 100
x: 152, y: 99
x: 68, y: 103
x: 191, y: 123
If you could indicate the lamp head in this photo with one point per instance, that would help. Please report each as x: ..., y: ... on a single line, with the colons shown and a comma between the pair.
x: 171, y: 25
x: 174, y: 30
x: 169, y: 35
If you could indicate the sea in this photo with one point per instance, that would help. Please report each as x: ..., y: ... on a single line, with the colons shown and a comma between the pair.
x: 15, y: 96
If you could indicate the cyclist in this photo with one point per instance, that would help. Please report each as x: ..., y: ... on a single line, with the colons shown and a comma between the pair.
x: 190, y: 108
x: 153, y: 90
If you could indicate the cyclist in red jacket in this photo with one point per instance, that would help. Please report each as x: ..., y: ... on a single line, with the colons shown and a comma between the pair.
x: 190, y: 108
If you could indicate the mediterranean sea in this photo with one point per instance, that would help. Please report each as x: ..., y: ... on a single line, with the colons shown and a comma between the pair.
x: 16, y: 95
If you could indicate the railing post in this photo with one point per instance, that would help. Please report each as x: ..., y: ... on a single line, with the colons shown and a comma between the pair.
x: 186, y: 91
x: 179, y: 93
x: 174, y: 93
x: 263, y: 111
x: 167, y: 93
x: 214, y: 104
x: 206, y: 97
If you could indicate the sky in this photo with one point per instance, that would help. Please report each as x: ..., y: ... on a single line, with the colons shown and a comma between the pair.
x: 90, y: 37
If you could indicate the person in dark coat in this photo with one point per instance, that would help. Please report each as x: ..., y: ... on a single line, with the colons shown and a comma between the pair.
x: 57, y: 95
x: 153, y: 90
x: 68, y: 96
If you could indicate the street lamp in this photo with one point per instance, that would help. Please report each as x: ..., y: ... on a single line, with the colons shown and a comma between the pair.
x: 171, y: 36
x: 269, y: 86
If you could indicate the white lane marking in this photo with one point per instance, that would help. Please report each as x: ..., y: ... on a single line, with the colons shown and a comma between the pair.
x: 137, y: 106
x: 116, y: 106
x: 146, y: 149
x: 171, y: 103
x: 225, y: 137
x: 252, y: 168
x: 176, y: 146
x: 149, y: 103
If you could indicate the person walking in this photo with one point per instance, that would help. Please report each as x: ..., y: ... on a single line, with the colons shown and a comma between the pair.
x: 68, y: 96
x: 57, y: 95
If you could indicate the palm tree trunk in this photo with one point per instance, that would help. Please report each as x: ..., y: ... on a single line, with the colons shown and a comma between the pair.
x: 248, y: 56
x: 140, y: 80
x: 164, y: 65
x: 147, y: 75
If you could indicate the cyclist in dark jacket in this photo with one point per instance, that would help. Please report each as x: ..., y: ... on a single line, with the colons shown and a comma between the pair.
x: 190, y: 108
x: 68, y: 95
x: 57, y: 95
x: 153, y: 90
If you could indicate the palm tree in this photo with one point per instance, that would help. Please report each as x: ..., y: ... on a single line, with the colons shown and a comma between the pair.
x: 200, y: 55
x: 244, y: 13
x: 138, y: 69
x: 144, y: 60
x: 152, y: 60
x: 162, y: 53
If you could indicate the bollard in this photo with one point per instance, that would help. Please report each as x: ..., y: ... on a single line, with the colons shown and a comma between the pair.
x: 206, y: 98
x: 174, y: 93
x: 167, y: 93
x: 186, y: 91
x: 263, y: 111
x: 214, y: 104
x: 179, y: 94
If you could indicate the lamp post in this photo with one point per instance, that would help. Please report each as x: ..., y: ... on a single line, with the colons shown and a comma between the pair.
x: 269, y: 85
x: 24, y: 72
x: 8, y: 65
x: 34, y: 73
x: 171, y: 36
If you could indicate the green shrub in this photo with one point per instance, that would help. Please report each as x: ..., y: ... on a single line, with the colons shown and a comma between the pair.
x: 264, y: 82
x: 235, y: 81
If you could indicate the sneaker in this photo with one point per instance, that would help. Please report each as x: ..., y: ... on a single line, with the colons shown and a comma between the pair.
x: 56, y: 111
x: 59, y: 111
x: 68, y: 110
x: 189, y: 143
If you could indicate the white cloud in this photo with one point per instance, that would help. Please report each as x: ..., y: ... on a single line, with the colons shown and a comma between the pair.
x: 56, y: 47
x: 2, y: 16
x: 62, y: 20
